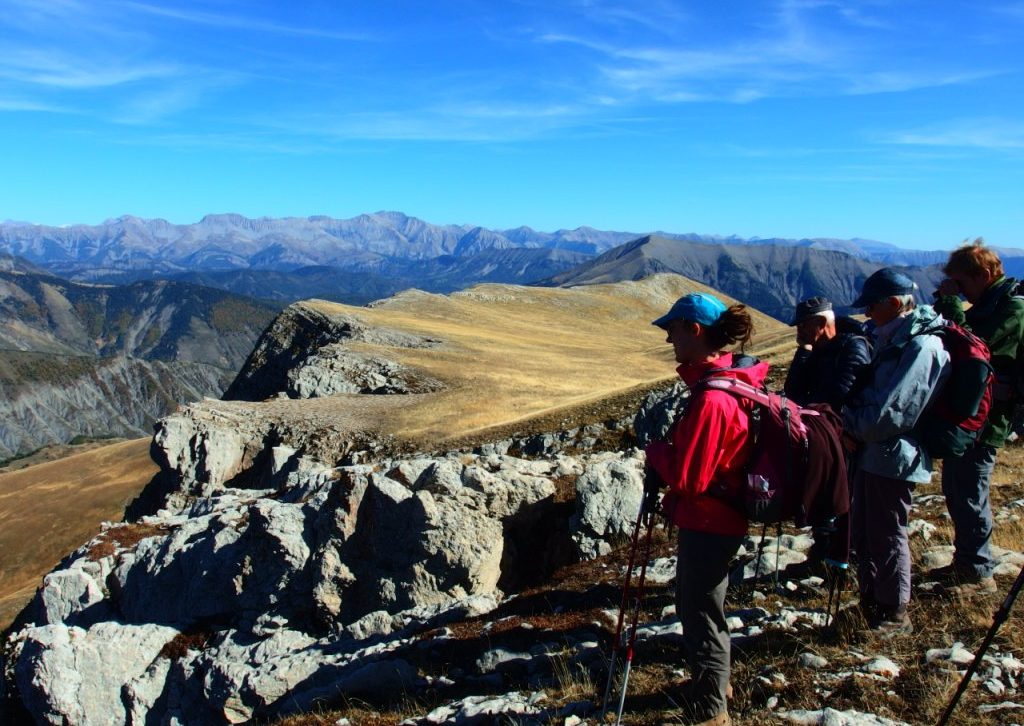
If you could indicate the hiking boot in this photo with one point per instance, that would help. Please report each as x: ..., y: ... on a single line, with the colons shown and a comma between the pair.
x: 960, y: 581
x: 685, y: 713
x: 721, y: 719
x: 892, y: 622
x: 946, y: 573
x: 966, y: 588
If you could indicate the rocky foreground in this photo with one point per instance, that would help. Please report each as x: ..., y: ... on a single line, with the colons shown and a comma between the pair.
x: 452, y: 580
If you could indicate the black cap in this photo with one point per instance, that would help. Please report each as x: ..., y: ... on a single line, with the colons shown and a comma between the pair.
x: 810, y: 307
x: 882, y: 284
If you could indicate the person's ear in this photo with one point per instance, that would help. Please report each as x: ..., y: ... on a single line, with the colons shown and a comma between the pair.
x: 695, y: 328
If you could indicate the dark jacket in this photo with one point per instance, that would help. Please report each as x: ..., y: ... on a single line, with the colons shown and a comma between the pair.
x: 826, y: 374
x: 998, y: 319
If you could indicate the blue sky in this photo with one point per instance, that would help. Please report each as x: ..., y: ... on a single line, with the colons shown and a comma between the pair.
x: 896, y: 121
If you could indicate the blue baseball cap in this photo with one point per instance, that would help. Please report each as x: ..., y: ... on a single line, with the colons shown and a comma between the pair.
x: 884, y: 283
x: 697, y: 307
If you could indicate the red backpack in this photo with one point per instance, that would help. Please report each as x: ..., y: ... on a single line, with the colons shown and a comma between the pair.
x: 959, y: 409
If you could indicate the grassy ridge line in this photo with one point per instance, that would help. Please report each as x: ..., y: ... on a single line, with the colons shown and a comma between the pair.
x: 509, y: 354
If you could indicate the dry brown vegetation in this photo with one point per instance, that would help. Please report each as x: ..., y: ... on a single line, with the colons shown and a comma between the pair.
x: 49, y: 509
x: 122, y: 536
x: 544, y: 358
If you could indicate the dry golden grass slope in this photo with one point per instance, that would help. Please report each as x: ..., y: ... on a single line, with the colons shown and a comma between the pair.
x: 49, y: 509
x: 511, y: 353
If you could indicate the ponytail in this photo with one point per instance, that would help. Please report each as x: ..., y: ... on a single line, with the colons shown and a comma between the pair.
x: 733, y: 326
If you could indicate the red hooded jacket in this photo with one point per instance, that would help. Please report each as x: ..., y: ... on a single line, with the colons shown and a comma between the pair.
x: 709, y: 444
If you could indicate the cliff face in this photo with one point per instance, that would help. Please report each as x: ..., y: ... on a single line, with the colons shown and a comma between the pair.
x: 308, y: 353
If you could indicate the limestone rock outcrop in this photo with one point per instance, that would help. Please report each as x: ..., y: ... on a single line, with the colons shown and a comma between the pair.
x: 305, y: 354
x: 265, y: 578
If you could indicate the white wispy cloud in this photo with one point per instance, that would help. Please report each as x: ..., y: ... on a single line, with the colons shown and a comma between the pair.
x: 979, y: 133
x: 238, y: 22
x: 20, y: 104
x: 52, y: 68
x: 653, y: 15
x: 792, y: 52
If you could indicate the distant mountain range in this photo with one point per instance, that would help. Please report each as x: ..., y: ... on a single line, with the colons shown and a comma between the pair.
x: 114, y: 324
x: 388, y: 244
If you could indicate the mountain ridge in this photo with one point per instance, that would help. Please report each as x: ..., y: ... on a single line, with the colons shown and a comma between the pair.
x: 771, y: 278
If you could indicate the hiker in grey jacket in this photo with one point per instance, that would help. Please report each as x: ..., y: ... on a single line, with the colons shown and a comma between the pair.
x: 909, y: 365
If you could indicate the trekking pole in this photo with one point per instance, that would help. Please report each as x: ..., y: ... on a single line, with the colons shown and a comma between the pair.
x: 778, y: 553
x: 636, y: 619
x: 622, y: 610
x: 997, y: 620
x: 757, y: 562
x: 836, y: 585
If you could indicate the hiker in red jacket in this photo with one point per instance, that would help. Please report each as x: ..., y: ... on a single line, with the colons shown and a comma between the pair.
x: 709, y: 445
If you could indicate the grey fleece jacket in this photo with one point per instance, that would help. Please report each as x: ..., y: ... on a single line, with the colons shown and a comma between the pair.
x: 907, y: 370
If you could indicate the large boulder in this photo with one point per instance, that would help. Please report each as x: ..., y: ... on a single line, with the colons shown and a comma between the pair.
x: 608, y: 496
x: 67, y: 675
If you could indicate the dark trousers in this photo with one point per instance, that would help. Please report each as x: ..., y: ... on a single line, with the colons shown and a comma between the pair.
x: 881, y: 510
x: 701, y: 581
x: 965, y: 483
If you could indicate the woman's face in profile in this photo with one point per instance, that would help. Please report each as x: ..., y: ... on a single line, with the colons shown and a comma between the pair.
x: 685, y: 339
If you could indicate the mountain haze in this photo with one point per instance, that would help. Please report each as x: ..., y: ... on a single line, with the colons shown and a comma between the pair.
x: 369, y: 281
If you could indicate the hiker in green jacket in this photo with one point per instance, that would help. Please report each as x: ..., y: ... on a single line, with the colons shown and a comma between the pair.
x: 997, y: 316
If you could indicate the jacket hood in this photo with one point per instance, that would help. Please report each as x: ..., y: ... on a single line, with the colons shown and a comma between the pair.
x: 922, y: 319
x: 731, y: 365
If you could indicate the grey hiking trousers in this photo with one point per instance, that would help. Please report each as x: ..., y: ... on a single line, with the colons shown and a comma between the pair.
x: 702, y: 577
x: 881, y: 512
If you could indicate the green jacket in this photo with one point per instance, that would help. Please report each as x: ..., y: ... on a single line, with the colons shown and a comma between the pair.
x: 998, y: 319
